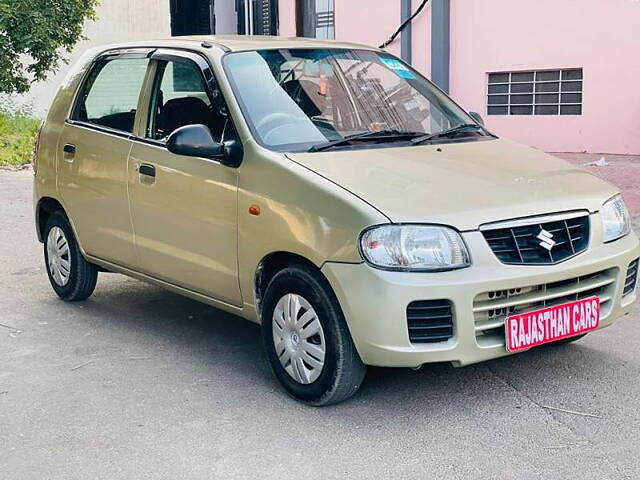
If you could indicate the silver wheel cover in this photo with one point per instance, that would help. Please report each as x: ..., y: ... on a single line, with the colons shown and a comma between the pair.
x: 298, y: 338
x: 59, y: 256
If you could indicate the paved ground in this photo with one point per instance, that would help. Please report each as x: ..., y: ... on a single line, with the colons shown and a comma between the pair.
x: 621, y: 170
x: 138, y: 383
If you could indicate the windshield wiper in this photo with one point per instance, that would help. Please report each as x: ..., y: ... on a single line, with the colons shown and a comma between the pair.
x: 447, y: 133
x: 391, y: 134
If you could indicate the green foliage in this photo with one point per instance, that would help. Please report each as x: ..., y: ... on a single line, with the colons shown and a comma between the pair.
x: 34, y: 35
x: 17, y: 134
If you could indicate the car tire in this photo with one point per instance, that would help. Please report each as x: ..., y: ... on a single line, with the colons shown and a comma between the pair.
x: 302, y: 320
x: 565, y: 341
x: 71, y: 276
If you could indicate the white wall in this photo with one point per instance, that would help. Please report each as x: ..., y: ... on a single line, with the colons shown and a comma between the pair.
x: 226, y: 17
x: 118, y: 21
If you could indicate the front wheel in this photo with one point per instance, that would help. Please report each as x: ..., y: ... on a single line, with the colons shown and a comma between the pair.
x: 71, y: 276
x: 307, y: 340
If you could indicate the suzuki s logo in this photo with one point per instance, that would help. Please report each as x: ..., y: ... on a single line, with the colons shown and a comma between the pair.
x: 546, y: 239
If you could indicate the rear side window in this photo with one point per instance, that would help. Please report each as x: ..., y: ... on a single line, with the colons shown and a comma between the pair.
x: 109, y: 97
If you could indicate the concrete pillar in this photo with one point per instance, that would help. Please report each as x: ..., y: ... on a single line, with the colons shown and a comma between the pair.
x: 440, y: 43
x: 405, y: 38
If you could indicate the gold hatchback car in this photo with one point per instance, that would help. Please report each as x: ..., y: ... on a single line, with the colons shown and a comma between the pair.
x: 331, y: 193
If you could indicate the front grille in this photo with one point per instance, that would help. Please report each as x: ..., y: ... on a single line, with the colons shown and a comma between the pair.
x: 523, y: 244
x: 490, y: 309
x: 631, y: 278
x: 430, y: 321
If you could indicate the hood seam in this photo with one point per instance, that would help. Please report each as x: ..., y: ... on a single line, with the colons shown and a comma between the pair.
x: 341, y: 186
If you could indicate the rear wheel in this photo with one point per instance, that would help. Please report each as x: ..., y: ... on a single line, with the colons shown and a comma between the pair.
x: 307, y: 340
x: 71, y: 276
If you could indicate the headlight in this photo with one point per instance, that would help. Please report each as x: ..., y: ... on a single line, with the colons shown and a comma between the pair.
x: 414, y: 247
x: 615, y: 219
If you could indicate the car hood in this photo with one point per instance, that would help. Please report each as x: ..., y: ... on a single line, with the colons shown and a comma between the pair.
x: 460, y: 184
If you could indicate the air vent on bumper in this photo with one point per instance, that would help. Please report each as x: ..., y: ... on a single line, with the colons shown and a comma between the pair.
x: 430, y: 321
x: 631, y: 278
x: 490, y: 309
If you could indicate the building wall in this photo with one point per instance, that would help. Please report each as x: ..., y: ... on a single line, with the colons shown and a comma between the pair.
x: 362, y: 22
x: 601, y: 36
x: 369, y: 22
x: 118, y: 21
x: 287, y: 18
x: 226, y: 17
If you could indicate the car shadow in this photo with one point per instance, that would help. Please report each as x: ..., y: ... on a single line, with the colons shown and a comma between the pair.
x: 227, y: 345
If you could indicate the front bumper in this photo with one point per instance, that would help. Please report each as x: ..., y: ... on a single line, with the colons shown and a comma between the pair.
x: 375, y: 301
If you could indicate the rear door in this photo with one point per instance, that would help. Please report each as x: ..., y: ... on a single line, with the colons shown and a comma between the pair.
x: 184, y: 209
x: 93, y: 151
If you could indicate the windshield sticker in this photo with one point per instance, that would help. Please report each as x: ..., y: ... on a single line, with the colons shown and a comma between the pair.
x: 398, y: 67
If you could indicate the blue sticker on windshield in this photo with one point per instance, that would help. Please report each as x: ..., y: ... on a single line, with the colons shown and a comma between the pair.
x: 398, y: 67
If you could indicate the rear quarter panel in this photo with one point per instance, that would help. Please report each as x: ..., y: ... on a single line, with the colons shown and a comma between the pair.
x: 45, y: 180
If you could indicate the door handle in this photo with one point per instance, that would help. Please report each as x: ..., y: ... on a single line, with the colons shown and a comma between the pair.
x: 146, y: 169
x: 69, y: 152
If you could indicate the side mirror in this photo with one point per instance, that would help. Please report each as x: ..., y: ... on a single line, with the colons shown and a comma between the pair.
x: 197, y: 141
x: 477, y: 117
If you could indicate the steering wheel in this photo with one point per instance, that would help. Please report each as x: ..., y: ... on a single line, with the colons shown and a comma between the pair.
x: 273, y: 122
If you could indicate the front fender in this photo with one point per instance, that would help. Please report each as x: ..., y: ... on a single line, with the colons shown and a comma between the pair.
x: 301, y: 212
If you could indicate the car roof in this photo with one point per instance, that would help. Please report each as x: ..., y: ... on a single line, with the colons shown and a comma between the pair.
x: 243, y: 42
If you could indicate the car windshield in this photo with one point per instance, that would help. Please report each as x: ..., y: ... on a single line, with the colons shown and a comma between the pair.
x: 301, y: 99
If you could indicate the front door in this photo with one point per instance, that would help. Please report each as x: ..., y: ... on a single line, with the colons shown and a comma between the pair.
x: 92, y: 164
x: 184, y: 209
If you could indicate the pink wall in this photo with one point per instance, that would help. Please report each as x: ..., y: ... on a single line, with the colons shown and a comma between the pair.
x: 373, y: 21
x: 368, y: 21
x: 287, y: 18
x: 601, y: 36
x: 421, y: 40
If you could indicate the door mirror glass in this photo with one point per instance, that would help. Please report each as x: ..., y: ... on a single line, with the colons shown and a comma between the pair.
x: 477, y: 117
x: 195, y: 141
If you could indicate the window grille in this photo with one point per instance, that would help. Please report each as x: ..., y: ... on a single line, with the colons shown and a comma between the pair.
x: 544, y: 92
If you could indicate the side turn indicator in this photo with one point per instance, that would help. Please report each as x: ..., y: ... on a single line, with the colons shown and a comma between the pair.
x: 254, y: 210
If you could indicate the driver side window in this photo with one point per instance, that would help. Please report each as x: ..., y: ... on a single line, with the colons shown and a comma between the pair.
x: 180, y: 98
